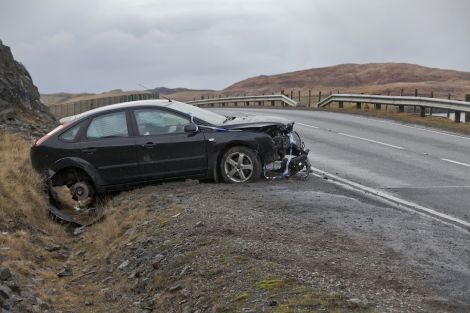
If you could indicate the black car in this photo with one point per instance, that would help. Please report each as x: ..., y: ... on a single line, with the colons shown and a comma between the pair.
x: 120, y: 145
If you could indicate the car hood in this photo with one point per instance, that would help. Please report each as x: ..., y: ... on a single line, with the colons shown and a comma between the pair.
x: 256, y: 121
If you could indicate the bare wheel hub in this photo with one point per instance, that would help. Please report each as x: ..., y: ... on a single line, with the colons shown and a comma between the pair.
x: 80, y: 191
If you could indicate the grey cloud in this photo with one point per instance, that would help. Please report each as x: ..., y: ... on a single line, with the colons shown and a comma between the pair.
x: 106, y: 44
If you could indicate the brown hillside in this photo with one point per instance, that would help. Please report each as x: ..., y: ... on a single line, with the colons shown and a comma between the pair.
x: 368, y: 78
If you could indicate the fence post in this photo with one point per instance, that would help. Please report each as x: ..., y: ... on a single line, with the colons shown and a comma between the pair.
x: 309, y: 98
x: 299, y: 95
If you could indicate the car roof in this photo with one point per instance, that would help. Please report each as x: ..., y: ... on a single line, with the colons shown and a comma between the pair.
x: 122, y: 105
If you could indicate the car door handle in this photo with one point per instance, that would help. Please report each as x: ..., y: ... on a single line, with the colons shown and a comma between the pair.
x: 148, y: 145
x: 89, y: 150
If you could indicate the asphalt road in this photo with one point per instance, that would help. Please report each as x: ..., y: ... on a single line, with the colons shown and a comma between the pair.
x: 428, y: 167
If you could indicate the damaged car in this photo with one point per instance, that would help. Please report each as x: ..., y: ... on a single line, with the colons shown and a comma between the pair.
x: 121, y: 145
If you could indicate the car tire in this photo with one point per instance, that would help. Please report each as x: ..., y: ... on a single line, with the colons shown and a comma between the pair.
x: 240, y: 165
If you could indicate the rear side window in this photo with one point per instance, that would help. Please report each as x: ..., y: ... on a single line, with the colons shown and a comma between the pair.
x: 71, y: 134
x: 108, y: 126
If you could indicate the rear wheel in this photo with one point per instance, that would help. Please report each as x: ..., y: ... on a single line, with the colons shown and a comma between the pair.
x: 240, y: 165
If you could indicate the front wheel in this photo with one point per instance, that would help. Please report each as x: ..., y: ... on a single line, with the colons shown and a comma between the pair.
x: 240, y: 165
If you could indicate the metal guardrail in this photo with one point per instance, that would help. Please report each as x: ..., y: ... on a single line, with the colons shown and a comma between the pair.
x: 422, y: 102
x: 285, y: 101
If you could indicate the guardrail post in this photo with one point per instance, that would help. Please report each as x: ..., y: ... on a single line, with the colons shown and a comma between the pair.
x: 378, y: 106
x: 299, y: 95
x: 273, y: 103
x: 358, y: 105
x: 340, y: 104
x: 467, y: 114
x: 309, y: 98
x: 292, y: 94
x: 319, y: 96
x: 401, y: 108
x: 422, y: 111
x: 457, y: 117
x: 416, y: 92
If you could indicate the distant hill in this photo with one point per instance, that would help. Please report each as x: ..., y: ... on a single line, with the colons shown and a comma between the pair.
x: 375, y: 78
x: 182, y: 94
x: 169, y: 91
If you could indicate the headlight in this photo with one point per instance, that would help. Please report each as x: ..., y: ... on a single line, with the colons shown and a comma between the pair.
x: 296, y: 140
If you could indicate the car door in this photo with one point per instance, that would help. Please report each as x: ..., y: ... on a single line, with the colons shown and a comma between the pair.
x: 164, y: 150
x: 108, y: 146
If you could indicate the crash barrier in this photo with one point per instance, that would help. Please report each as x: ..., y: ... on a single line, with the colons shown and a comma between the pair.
x: 80, y: 106
x: 422, y: 103
x: 246, y: 101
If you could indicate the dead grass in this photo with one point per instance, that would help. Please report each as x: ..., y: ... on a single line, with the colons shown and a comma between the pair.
x: 24, y: 223
x: 22, y: 201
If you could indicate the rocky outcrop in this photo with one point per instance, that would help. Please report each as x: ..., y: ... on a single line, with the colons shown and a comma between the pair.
x: 20, y: 107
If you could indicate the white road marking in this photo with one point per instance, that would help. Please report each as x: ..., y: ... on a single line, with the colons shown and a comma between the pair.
x: 400, y: 203
x: 427, y: 187
x: 311, y: 126
x: 374, y: 141
x: 456, y: 162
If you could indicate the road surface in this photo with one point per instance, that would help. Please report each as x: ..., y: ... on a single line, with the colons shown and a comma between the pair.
x: 426, y: 166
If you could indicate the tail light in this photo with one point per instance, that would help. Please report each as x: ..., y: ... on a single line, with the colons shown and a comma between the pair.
x: 48, y: 135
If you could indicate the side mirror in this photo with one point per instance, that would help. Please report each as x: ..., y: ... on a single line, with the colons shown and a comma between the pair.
x: 191, y: 128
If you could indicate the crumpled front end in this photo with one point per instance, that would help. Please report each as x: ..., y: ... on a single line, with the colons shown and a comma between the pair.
x: 292, y: 156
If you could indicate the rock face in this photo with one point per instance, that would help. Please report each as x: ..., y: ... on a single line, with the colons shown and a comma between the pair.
x: 19, y: 97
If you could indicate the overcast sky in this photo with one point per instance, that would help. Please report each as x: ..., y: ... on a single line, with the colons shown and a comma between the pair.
x: 98, y: 45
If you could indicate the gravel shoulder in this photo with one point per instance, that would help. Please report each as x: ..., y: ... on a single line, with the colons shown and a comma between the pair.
x: 272, y: 246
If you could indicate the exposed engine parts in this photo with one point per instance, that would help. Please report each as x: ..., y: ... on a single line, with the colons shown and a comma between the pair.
x: 292, y: 157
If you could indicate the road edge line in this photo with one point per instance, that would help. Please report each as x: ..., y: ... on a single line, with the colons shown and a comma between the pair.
x: 394, y: 201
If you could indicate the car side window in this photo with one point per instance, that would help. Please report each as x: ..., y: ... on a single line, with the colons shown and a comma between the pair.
x: 155, y: 122
x: 71, y: 134
x: 108, y: 126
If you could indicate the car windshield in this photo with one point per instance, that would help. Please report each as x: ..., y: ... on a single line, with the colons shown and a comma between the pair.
x: 205, y: 115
